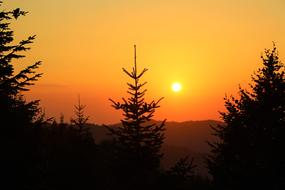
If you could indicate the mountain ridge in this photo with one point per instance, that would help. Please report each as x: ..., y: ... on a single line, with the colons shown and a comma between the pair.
x: 181, y: 139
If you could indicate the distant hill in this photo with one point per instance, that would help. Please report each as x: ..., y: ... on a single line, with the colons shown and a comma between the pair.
x: 182, y: 138
x: 188, y: 138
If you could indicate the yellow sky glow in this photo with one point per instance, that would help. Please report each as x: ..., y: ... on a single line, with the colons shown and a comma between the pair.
x: 209, y: 46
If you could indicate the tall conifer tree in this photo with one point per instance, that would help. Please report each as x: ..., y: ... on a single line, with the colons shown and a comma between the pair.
x: 14, y: 108
x: 18, y: 117
x: 139, y: 139
x: 250, y: 153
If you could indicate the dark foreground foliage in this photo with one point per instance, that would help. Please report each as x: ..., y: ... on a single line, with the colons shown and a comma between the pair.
x: 250, y: 152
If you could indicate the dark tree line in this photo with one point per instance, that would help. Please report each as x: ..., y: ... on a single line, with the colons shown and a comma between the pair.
x: 39, y: 153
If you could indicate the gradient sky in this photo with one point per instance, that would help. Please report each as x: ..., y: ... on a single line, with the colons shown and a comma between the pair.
x: 210, y: 46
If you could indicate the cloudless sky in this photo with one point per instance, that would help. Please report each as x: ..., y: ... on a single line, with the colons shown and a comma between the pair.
x: 210, y: 46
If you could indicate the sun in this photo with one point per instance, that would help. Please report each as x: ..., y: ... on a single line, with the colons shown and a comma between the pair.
x: 176, y: 87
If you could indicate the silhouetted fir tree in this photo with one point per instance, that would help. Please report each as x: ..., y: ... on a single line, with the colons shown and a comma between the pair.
x: 80, y: 121
x: 17, y: 116
x: 12, y: 84
x: 250, y: 151
x: 138, y: 139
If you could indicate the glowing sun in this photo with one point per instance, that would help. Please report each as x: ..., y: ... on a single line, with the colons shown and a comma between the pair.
x: 176, y: 87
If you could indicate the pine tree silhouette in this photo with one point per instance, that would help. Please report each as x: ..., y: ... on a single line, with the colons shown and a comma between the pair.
x: 250, y: 151
x: 81, y: 120
x: 17, y: 116
x: 138, y: 138
x: 11, y: 83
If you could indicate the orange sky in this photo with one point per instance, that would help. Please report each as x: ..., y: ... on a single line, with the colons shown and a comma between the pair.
x: 210, y: 46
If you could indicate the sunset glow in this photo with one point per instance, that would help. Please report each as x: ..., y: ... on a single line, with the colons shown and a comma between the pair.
x: 210, y: 46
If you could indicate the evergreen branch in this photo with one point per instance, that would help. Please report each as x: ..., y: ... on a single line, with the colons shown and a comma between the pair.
x: 130, y: 75
x: 142, y: 73
x: 18, y: 48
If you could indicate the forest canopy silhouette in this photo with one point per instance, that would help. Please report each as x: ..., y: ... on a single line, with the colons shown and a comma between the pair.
x: 246, y: 149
